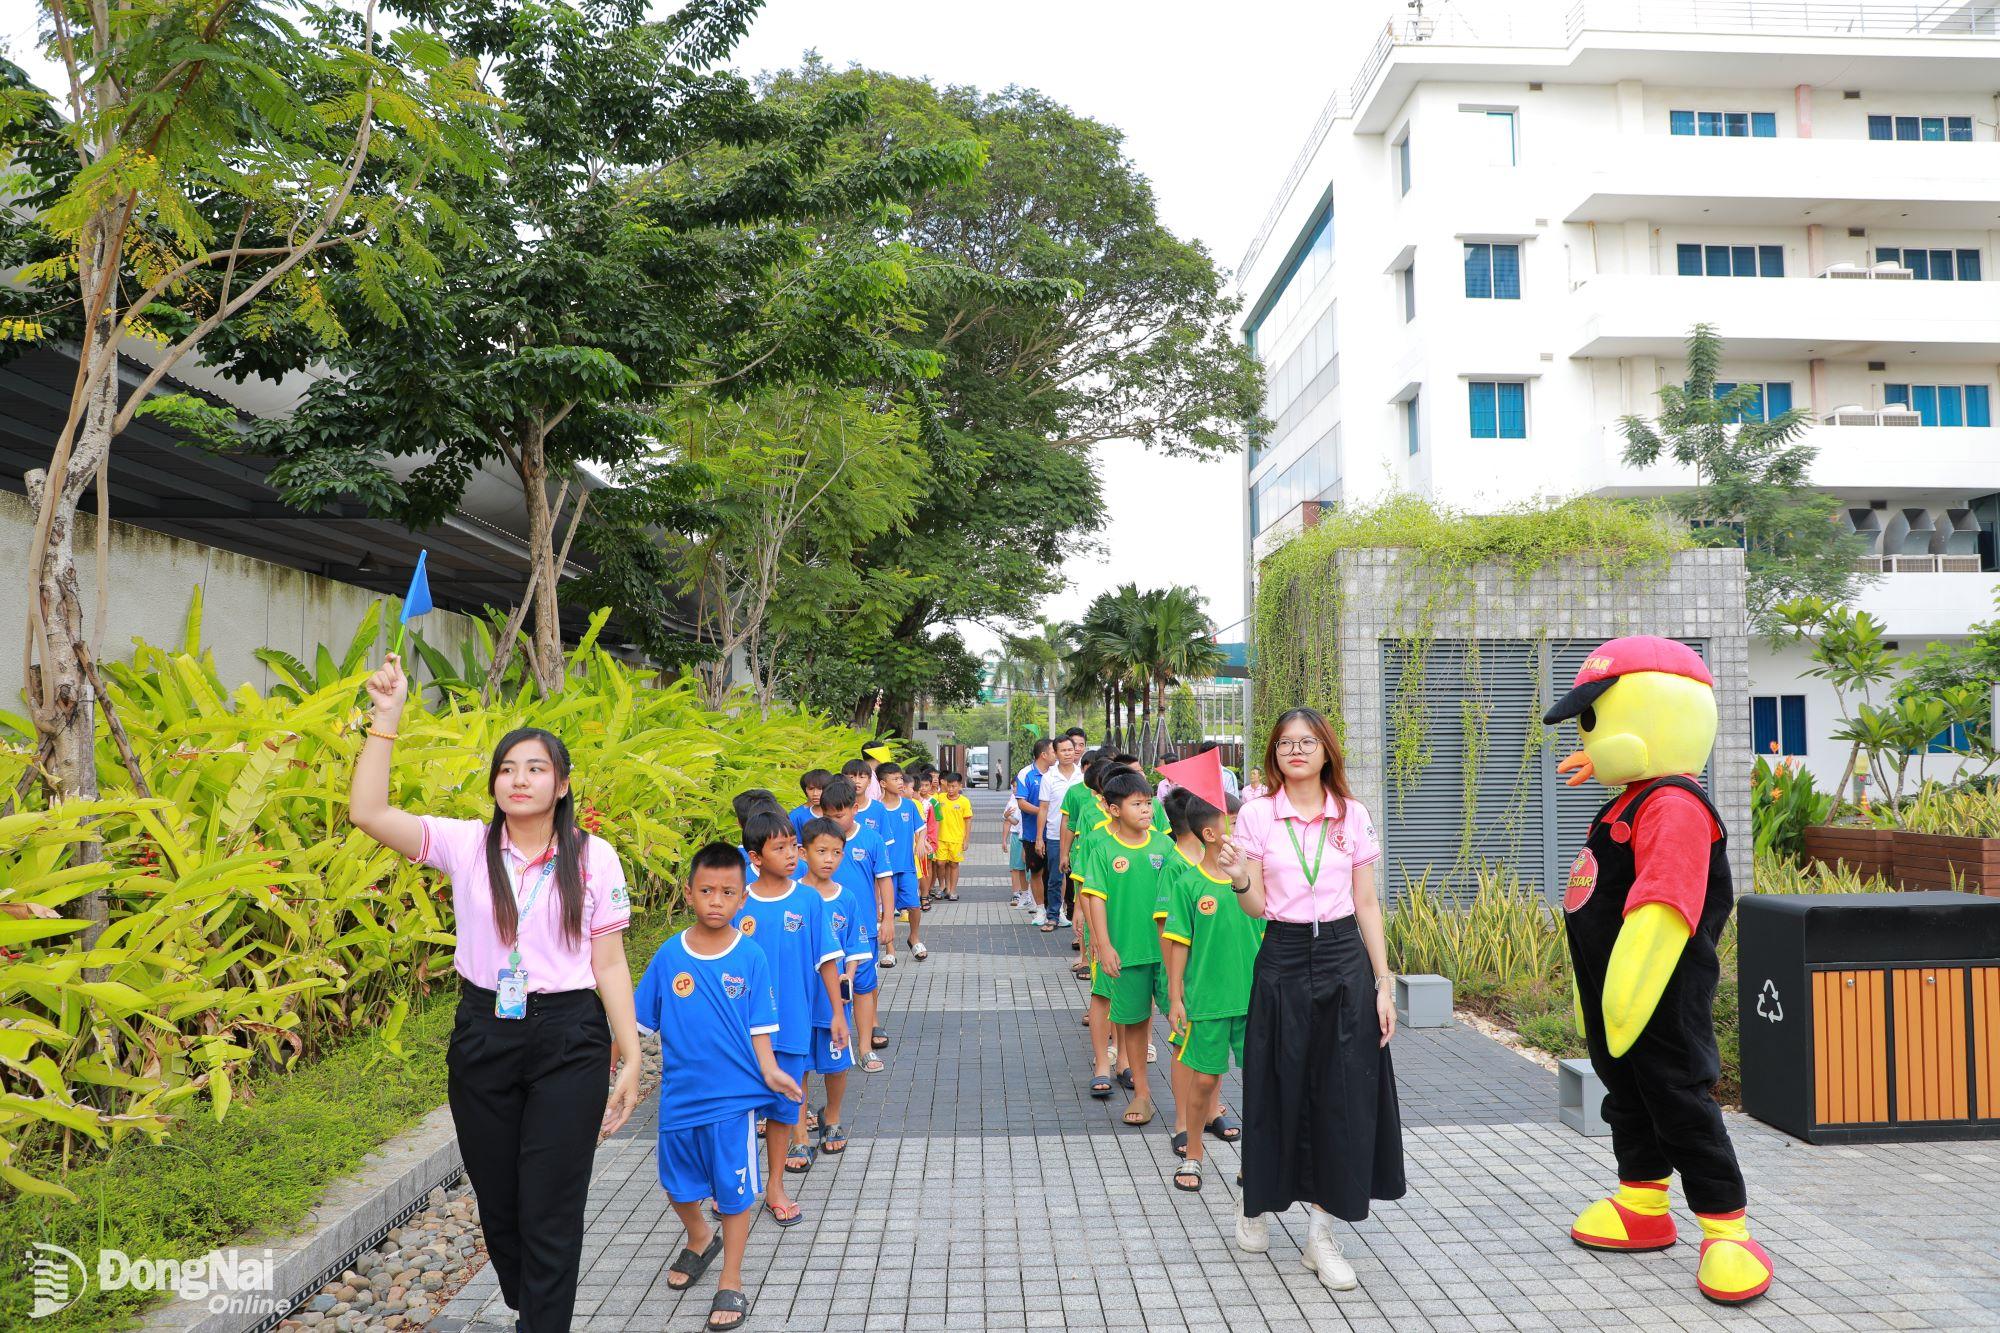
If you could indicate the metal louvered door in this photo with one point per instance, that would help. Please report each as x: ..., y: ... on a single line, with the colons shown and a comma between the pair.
x: 1480, y: 796
x: 1572, y: 808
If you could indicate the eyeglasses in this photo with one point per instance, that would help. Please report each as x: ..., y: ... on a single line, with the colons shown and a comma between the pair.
x: 1299, y: 745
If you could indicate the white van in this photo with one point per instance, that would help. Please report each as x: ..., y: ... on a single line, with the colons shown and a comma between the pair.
x: 978, y: 766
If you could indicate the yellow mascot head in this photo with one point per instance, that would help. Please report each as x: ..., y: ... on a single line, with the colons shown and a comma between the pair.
x: 1645, y: 708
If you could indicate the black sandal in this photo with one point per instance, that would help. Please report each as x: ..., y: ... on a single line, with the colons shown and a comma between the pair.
x: 691, y: 1265
x: 1225, y: 1127
x: 1180, y: 1143
x: 1100, y: 1087
x: 799, y: 1158
x: 728, y: 1302
x: 878, y: 1039
x: 830, y: 1134
x: 1125, y: 1078
x: 1185, y: 1170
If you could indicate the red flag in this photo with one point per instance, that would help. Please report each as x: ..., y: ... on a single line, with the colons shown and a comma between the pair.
x: 1201, y: 775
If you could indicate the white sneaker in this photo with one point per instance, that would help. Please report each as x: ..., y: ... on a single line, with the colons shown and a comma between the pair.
x: 1322, y: 1255
x: 1064, y: 920
x: 1253, y: 1234
x: 1039, y: 918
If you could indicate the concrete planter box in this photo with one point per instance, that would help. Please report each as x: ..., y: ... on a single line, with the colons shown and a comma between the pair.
x: 1933, y: 861
x: 1580, y: 1099
x: 1423, y: 1001
x: 1868, y: 851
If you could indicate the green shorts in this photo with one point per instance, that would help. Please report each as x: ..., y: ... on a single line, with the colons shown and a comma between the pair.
x: 1210, y: 1042
x: 1133, y: 992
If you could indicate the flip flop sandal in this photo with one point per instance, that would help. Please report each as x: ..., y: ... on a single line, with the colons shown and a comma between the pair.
x: 798, y: 1216
x: 1048, y: 927
x: 1075, y: 946
x: 887, y: 960
x: 1151, y: 1111
x: 729, y: 1302
x: 1100, y: 1087
x: 1188, y: 1171
x: 830, y: 1135
x: 691, y: 1265
x: 1225, y: 1127
x: 878, y: 1038
x: 799, y: 1159
x: 1125, y: 1078
x: 1180, y: 1143
x: 873, y: 1064
x: 1081, y: 971
x: 920, y: 952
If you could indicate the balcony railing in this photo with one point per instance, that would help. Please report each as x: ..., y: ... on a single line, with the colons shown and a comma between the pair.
x: 1840, y: 18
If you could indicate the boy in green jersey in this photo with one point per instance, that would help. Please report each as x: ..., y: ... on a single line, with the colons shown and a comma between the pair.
x: 1121, y: 891
x: 1211, y: 951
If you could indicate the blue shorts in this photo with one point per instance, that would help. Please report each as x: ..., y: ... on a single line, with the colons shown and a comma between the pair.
x: 721, y: 1161
x: 907, y: 893
x: 781, y: 1108
x: 865, y: 980
x: 824, y: 1061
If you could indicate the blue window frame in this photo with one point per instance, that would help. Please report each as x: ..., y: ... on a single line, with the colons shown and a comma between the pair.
x: 1943, y: 404
x: 1412, y: 424
x: 1724, y: 124
x: 1773, y: 399
x: 1921, y: 129
x: 1778, y: 720
x: 1954, y: 739
x: 1403, y: 160
x: 1410, y: 292
x: 1730, y: 261
x: 1492, y: 271
x: 1499, y: 409
x: 1934, y: 265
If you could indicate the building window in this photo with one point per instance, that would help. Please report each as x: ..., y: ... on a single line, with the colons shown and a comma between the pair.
x: 1403, y: 160
x: 1942, y: 404
x: 1313, y: 475
x: 1499, y: 409
x: 1410, y: 292
x: 1921, y: 129
x: 1496, y: 132
x: 1493, y: 272
x: 1294, y: 290
x: 1954, y: 739
x: 1724, y: 124
x: 1412, y: 426
x: 1778, y: 724
x: 1730, y: 261
x: 1934, y: 265
x: 1773, y: 399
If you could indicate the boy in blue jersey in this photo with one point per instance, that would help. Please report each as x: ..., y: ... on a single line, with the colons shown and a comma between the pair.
x: 789, y: 922
x: 822, y: 849
x: 812, y: 784
x: 864, y: 872
x: 899, y: 818
x: 707, y: 992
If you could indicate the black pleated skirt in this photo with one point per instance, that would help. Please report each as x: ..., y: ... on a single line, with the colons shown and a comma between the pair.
x: 1320, y: 1122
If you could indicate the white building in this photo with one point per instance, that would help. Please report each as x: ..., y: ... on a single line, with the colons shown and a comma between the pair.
x: 1498, y: 235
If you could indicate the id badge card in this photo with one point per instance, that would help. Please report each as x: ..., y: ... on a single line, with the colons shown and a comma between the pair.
x: 511, y: 995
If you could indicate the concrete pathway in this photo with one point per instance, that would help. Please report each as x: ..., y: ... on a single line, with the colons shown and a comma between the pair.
x: 984, y: 1189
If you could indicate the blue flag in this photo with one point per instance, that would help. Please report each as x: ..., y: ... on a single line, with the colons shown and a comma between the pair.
x: 417, y: 601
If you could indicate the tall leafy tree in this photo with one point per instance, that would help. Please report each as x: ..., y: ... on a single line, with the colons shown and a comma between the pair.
x: 1752, y: 486
x: 210, y: 161
x: 657, y: 228
x: 1142, y: 354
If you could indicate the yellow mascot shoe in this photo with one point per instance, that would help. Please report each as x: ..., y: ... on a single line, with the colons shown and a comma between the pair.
x: 1635, y: 1218
x: 1734, y: 1268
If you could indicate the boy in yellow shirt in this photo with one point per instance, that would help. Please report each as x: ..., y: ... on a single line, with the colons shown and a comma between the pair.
x: 954, y: 810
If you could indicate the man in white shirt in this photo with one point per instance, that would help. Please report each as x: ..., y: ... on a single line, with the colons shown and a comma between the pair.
x: 1028, y: 803
x: 1055, y: 783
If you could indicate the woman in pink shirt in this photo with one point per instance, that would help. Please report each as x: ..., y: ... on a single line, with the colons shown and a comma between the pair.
x: 1320, y: 1122
x: 543, y: 988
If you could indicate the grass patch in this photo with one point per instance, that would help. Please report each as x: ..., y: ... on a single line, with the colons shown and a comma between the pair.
x: 207, y: 1184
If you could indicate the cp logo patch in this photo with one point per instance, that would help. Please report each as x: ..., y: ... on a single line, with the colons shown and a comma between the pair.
x: 683, y: 985
x: 1120, y: 864
x: 1205, y: 904
x: 1582, y: 880
x: 748, y: 925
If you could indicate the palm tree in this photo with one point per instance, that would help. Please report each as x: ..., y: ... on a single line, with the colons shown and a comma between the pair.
x: 1180, y: 639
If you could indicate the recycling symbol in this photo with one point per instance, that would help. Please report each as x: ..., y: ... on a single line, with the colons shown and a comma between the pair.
x: 1767, y: 1003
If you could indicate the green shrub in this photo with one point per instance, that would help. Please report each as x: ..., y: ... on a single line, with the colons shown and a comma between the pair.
x: 251, y: 926
x: 1784, y: 803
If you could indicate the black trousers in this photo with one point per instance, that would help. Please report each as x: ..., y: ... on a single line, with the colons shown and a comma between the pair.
x: 1320, y: 1118
x: 527, y: 1099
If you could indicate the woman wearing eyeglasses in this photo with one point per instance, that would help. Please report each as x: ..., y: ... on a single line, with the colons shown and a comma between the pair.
x: 1320, y: 1123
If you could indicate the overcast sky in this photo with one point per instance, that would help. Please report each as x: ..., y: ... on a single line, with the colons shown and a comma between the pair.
x: 1214, y: 101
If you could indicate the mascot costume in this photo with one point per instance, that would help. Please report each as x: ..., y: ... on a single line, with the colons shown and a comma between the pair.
x: 1646, y: 900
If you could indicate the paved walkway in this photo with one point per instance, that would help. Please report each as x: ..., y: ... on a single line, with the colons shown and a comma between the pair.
x: 984, y: 1189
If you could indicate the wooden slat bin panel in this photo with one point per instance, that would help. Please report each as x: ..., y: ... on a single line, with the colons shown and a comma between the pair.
x: 1931, y: 1081
x: 1850, y: 1049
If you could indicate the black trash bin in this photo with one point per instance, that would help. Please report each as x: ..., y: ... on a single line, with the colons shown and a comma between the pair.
x: 1871, y: 1016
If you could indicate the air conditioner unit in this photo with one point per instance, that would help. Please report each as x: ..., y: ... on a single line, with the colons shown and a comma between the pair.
x: 1844, y: 269
x: 1889, y: 268
x: 1853, y: 414
x: 1895, y: 414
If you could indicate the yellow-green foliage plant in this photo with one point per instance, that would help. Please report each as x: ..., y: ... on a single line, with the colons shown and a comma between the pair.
x: 250, y: 924
x: 1951, y: 812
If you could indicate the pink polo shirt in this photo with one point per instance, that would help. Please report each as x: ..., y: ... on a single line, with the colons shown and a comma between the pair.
x: 1350, y: 842
x: 458, y: 847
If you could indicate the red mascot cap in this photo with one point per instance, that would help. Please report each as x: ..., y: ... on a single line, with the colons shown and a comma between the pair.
x: 1623, y: 657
